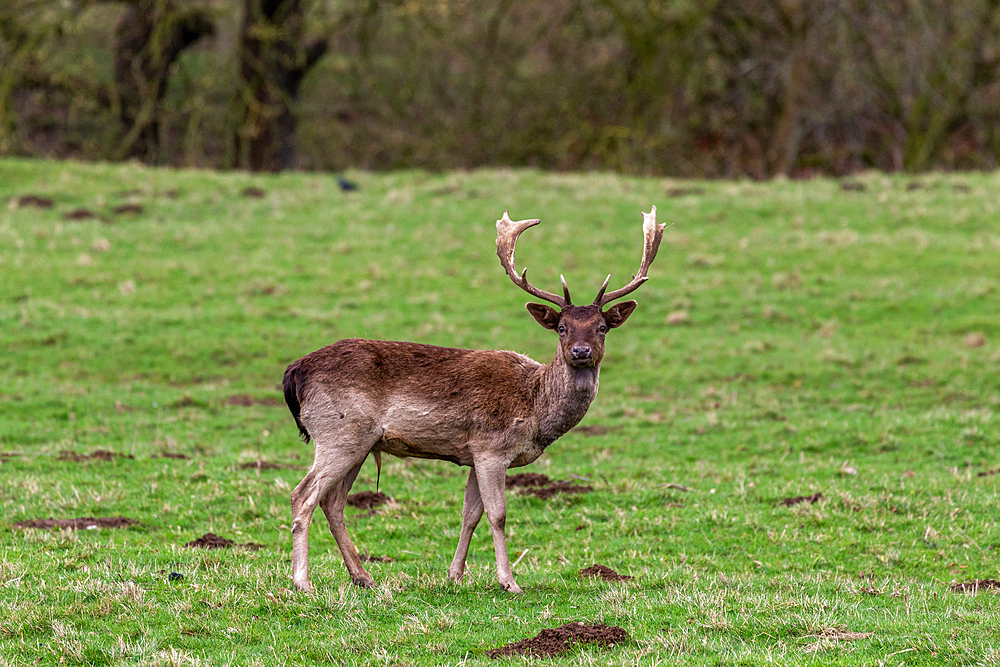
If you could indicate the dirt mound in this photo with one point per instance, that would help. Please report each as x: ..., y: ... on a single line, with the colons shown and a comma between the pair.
x: 253, y: 193
x: 36, y: 201
x: 367, y: 500
x: 79, y: 214
x: 213, y: 541
x: 171, y: 455
x: 126, y: 209
x: 527, y: 479
x: 788, y: 502
x: 559, y: 486
x: 97, y: 454
x: 980, y: 584
x: 83, y: 523
x: 540, y: 486
x: 604, y: 572
x: 554, y: 641
x: 246, y: 401
x: 987, y: 473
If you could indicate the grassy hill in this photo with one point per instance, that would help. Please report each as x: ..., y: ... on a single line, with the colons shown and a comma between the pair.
x: 796, y: 338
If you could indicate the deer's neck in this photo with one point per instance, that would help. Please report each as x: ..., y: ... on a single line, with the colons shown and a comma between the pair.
x: 564, y: 395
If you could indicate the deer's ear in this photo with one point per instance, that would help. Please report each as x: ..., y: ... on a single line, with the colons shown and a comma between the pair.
x: 546, y: 316
x: 616, y: 315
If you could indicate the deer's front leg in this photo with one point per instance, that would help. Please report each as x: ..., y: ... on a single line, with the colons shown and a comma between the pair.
x: 492, y: 476
x: 472, y: 511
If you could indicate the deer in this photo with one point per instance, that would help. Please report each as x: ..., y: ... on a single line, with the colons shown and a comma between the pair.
x: 489, y: 410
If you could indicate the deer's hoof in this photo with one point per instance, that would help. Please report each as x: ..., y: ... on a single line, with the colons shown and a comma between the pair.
x: 513, y: 588
x: 361, y: 582
x: 303, y: 586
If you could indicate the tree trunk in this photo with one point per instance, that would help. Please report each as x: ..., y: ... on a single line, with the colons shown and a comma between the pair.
x: 273, y: 61
x: 784, y: 150
x: 149, y: 38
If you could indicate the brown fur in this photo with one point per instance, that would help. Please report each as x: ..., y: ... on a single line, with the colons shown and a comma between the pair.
x: 472, y: 391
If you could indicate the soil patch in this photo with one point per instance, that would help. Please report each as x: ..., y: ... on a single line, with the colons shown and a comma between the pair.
x: 187, y: 402
x: 540, y: 486
x: 171, y: 455
x: 36, y: 201
x: 263, y: 465
x: 79, y: 214
x: 554, y: 641
x: 527, y: 479
x: 97, y: 454
x: 126, y: 209
x: 684, y: 192
x: 83, y: 523
x: 853, y: 187
x: 247, y: 401
x: 368, y: 558
x: 604, y: 572
x: 592, y: 430
x: 560, y: 486
x: 987, y: 473
x: 788, y: 502
x: 980, y: 584
x: 367, y: 500
x: 837, y: 634
x: 253, y: 193
x: 213, y: 541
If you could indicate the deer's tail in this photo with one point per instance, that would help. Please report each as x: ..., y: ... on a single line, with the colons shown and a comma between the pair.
x: 292, y: 385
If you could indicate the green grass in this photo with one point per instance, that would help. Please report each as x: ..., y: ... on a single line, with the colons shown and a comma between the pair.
x: 794, y: 338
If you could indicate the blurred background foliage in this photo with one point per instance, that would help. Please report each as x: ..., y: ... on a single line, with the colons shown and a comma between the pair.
x: 711, y: 88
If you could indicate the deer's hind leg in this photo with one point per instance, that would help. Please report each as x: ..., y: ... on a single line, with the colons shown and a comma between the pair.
x: 339, y: 452
x: 472, y: 512
x: 333, y: 506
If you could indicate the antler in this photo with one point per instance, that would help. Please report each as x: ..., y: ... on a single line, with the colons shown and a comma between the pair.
x: 507, y: 233
x: 652, y: 235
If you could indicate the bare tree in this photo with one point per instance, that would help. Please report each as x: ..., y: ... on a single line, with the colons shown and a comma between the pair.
x: 274, y: 57
x: 149, y: 37
x: 926, y: 62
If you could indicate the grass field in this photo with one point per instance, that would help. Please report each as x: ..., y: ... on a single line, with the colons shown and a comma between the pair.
x: 795, y: 338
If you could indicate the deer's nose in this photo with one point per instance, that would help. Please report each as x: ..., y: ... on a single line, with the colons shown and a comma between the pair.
x: 581, y: 351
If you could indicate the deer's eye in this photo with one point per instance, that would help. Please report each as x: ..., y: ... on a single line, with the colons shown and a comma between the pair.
x: 561, y: 329
x: 602, y: 329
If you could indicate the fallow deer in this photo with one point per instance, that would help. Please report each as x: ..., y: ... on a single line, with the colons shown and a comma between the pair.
x: 489, y: 410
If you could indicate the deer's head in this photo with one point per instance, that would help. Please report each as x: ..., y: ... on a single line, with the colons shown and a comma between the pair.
x: 581, y: 329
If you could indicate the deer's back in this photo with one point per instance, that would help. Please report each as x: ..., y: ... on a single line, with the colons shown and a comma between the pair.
x: 423, y: 399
